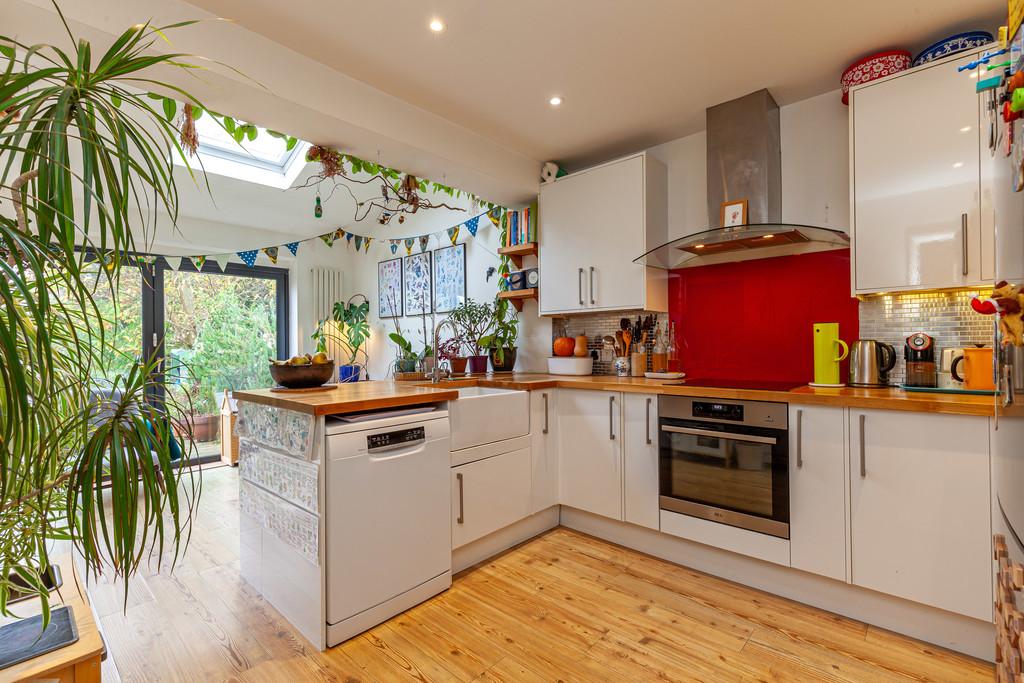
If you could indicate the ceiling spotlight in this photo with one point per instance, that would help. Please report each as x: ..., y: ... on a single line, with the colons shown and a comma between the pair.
x: 555, y: 101
x: 958, y: 164
x: 965, y: 129
x: 436, y: 25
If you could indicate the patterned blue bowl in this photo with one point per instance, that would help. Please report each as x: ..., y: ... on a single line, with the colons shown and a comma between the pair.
x: 952, y: 45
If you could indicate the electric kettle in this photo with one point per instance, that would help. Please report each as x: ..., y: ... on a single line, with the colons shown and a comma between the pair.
x: 870, y: 363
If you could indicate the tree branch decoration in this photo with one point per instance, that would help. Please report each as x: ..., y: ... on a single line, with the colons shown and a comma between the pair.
x: 399, y: 193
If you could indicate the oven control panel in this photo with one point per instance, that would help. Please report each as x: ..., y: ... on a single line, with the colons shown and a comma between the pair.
x: 718, y: 411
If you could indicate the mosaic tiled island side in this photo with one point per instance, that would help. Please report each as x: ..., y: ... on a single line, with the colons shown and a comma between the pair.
x: 280, y: 460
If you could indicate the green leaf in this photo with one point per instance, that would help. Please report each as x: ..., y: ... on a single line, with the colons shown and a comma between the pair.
x: 251, y: 132
x: 170, y: 108
x: 115, y: 99
x: 229, y: 125
x: 290, y: 143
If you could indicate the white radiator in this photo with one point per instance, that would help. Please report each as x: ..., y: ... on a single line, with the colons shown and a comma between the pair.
x: 328, y: 288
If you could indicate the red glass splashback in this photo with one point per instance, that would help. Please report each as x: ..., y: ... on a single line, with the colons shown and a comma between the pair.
x: 752, y: 320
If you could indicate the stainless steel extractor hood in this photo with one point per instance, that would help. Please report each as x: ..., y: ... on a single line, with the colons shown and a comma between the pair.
x: 744, y: 162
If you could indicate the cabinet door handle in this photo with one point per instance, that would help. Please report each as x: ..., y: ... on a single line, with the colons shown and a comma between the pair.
x: 545, y: 430
x: 648, y: 423
x: 579, y: 281
x: 963, y: 240
x: 592, y: 285
x: 799, y: 438
x: 611, y: 415
x: 462, y: 517
x: 863, y: 457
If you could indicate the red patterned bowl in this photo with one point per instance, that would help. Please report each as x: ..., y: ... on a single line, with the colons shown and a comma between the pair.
x: 873, y: 66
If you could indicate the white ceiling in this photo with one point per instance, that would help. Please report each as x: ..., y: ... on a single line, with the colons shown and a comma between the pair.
x: 632, y: 73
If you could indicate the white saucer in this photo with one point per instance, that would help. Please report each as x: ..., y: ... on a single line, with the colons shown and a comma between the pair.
x: 825, y: 386
x: 664, y: 375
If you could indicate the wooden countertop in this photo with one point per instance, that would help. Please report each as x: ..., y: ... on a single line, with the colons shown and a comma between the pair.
x: 355, y: 397
x: 83, y: 655
x: 363, y: 396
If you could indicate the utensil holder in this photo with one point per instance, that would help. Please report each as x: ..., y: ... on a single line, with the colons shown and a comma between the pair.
x: 638, y: 364
x: 621, y: 366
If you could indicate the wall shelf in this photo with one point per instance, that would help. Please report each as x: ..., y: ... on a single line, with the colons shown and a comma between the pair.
x: 517, y: 253
x: 517, y: 297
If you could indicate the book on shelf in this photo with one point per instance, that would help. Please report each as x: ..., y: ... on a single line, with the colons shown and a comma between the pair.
x: 521, y: 226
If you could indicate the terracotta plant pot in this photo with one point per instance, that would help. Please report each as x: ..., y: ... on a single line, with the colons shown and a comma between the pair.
x: 458, y: 365
x: 508, y: 360
x: 205, y: 427
x: 478, y: 365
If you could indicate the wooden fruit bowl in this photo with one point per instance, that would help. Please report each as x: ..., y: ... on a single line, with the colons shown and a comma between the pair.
x: 302, y: 376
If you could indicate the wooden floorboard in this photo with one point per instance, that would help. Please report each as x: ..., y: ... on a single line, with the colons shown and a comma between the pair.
x: 560, y: 607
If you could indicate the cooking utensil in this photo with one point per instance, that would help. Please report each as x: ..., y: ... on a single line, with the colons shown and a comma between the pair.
x: 627, y: 340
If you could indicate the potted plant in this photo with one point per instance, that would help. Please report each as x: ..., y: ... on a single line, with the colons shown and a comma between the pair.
x: 451, y: 350
x: 500, y: 341
x: 65, y: 439
x: 349, y: 328
x: 472, y: 319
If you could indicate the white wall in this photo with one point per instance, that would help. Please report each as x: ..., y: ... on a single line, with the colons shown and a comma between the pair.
x: 815, y: 169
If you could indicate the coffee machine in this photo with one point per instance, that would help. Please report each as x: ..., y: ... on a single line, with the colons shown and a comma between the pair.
x: 919, y: 354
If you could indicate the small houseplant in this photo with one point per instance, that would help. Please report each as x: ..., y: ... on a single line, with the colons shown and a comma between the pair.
x: 500, y: 341
x: 452, y: 350
x: 349, y: 328
x: 472, y: 319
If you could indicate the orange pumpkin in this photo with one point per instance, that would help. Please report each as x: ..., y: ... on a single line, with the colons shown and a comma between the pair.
x: 564, y: 346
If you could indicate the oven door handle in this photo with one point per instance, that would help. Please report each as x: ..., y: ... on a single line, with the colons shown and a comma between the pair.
x: 720, y: 435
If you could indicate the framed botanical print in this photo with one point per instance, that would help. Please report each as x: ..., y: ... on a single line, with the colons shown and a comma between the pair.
x: 389, y: 288
x: 449, y: 278
x: 417, y: 276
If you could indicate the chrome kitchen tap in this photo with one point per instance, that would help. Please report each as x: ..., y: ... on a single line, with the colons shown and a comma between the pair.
x: 437, y: 373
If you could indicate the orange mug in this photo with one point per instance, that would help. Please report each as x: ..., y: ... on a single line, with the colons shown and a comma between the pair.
x: 978, y: 373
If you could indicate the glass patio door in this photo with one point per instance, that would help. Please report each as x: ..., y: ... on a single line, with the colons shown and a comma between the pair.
x: 216, y: 331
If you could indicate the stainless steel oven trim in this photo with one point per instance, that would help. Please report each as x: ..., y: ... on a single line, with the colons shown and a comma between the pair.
x: 766, y: 414
x: 731, y: 436
x: 737, y: 519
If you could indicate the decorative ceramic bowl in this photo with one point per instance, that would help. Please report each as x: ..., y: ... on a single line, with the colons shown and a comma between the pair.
x: 302, y: 376
x: 872, y: 67
x: 952, y: 45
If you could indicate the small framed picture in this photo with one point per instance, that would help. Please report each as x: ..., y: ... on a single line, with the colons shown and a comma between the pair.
x: 734, y: 213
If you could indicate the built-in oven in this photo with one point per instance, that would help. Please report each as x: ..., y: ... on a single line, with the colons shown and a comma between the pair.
x: 725, y: 461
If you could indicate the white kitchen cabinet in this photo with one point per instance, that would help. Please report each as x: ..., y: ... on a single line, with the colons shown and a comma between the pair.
x: 544, y: 448
x: 489, y: 494
x: 640, y: 460
x: 593, y: 224
x: 916, y: 200
x: 817, y: 490
x: 920, y: 508
x: 590, y: 451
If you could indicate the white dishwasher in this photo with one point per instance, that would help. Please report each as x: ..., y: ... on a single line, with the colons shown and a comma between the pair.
x: 387, y: 525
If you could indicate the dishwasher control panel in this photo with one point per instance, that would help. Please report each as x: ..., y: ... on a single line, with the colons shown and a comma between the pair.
x: 396, y: 439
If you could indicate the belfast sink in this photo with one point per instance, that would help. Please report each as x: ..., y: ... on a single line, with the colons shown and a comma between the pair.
x: 484, y: 415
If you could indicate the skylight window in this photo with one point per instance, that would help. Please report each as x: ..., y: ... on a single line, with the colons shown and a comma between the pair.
x: 265, y: 160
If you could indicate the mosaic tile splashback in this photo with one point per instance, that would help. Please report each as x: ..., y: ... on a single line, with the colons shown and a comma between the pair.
x: 596, y: 326
x: 945, y: 316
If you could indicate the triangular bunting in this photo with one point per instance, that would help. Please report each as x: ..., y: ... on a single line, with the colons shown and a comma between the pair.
x: 366, y: 244
x: 175, y: 261
x: 249, y: 257
x: 348, y: 237
x: 338, y: 234
x: 328, y: 238
x: 271, y: 253
x: 293, y: 247
x: 472, y: 225
x: 409, y: 242
x: 453, y: 234
x: 222, y: 260
x: 394, y: 246
x: 359, y: 242
x: 198, y: 262
x: 495, y: 216
x: 424, y: 241
x: 146, y: 259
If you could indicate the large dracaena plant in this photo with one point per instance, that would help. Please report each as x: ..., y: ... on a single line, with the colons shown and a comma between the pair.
x: 86, y: 163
